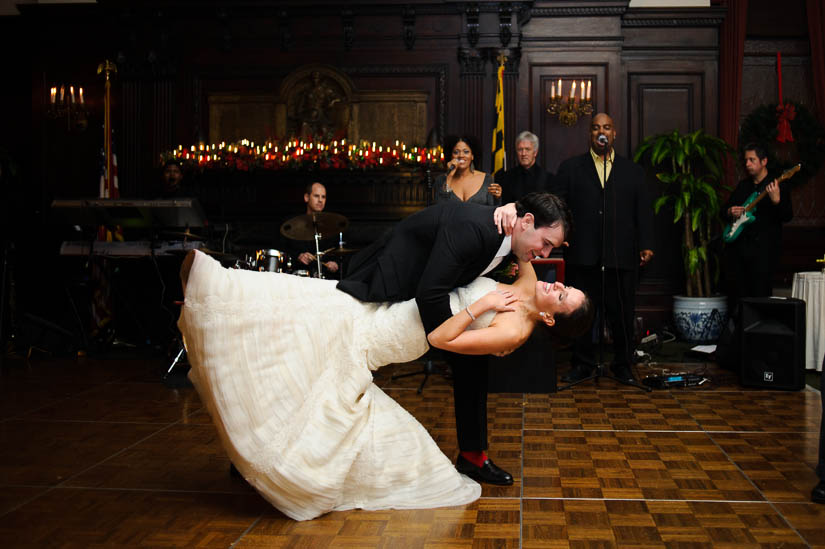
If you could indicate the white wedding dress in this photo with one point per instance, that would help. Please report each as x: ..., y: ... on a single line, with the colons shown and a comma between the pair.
x: 284, y: 366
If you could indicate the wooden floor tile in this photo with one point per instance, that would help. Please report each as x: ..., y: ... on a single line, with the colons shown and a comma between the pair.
x: 553, y: 523
x: 100, y: 453
x: 754, y: 411
x: 484, y: 523
x: 607, y: 409
x: 124, y: 401
x: 47, y: 453
x: 650, y: 465
x: 13, y: 496
x: 182, y: 457
x: 781, y: 465
x: 105, y: 518
x: 808, y: 519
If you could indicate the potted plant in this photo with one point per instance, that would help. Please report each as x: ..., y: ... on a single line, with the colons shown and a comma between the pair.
x: 693, y: 166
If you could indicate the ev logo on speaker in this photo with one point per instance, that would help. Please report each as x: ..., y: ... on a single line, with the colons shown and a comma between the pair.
x: 767, y: 376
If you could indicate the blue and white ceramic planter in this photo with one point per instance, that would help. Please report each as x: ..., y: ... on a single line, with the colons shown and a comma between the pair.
x: 700, y: 319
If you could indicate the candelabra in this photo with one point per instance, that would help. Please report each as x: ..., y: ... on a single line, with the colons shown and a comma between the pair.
x: 569, y: 108
x: 71, y: 106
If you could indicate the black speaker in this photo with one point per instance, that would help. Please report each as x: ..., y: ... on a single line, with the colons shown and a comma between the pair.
x: 772, y: 343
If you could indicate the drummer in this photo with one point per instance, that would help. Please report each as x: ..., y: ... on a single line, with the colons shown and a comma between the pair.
x: 315, y: 197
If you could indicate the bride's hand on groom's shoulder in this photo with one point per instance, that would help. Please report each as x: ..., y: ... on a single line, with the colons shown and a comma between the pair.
x: 501, y: 300
x: 505, y: 218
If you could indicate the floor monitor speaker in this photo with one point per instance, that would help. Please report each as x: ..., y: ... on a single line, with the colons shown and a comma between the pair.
x: 772, y: 352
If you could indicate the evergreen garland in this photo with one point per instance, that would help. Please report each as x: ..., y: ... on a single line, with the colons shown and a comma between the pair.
x: 809, y: 139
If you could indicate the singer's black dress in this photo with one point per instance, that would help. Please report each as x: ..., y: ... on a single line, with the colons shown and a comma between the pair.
x: 483, y: 196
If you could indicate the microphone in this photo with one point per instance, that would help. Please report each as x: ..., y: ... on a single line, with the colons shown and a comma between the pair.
x: 602, y: 139
x: 450, y: 167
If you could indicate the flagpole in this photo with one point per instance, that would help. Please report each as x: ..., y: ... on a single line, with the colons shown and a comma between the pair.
x: 107, y: 68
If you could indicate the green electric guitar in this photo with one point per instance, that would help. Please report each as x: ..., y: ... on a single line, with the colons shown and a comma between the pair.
x: 733, y: 230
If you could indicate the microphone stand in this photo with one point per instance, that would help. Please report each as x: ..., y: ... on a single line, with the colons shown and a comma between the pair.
x: 601, y: 369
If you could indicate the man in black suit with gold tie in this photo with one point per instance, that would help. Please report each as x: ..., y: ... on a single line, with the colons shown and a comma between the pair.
x: 441, y: 248
x: 620, y: 201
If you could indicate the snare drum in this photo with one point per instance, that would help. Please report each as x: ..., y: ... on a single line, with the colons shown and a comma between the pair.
x: 301, y: 272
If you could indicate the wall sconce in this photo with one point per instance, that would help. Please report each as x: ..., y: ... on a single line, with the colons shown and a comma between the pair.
x: 569, y: 108
x: 71, y: 105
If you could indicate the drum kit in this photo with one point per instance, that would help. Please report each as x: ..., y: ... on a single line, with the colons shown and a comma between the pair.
x: 307, y: 227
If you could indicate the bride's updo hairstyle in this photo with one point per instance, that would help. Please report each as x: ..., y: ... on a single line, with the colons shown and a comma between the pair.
x: 547, y: 209
x: 569, y: 326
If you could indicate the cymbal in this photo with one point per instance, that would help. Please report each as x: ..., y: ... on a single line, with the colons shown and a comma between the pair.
x: 184, y: 235
x: 304, y: 227
x: 335, y: 250
x: 220, y: 256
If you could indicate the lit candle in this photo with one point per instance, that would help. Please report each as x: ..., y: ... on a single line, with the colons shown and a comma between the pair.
x: 82, y: 101
x: 559, y: 88
x: 62, y: 93
x: 588, y: 90
x: 582, y: 94
x: 573, y: 90
x: 53, y: 95
x: 553, y: 90
x: 71, y: 94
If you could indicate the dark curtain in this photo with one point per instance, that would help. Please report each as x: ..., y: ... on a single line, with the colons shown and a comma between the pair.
x: 816, y: 26
x: 731, y: 55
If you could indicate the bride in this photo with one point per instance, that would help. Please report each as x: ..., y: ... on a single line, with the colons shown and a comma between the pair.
x: 284, y: 366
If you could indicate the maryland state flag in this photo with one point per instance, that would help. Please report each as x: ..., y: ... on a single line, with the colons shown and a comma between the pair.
x: 499, y: 154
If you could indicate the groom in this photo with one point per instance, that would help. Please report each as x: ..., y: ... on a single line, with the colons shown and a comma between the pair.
x: 441, y: 248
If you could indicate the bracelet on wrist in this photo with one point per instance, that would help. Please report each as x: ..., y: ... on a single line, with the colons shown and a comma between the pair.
x: 469, y: 313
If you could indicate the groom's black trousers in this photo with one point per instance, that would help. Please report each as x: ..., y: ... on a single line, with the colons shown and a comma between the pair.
x: 470, y: 395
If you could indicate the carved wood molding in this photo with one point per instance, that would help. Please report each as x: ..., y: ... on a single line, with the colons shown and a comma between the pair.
x: 675, y: 17
x: 576, y: 11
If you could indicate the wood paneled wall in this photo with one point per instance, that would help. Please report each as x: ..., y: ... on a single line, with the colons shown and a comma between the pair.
x: 652, y: 70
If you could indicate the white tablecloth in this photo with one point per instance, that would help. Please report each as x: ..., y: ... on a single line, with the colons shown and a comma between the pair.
x: 810, y: 287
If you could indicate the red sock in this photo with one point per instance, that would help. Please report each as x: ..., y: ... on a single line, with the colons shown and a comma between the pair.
x: 476, y: 458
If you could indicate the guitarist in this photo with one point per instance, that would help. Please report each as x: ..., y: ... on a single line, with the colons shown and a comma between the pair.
x: 756, y: 251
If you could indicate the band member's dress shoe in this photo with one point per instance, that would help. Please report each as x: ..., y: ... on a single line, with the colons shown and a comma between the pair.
x: 577, y: 373
x: 818, y: 493
x: 489, y: 472
x: 623, y: 372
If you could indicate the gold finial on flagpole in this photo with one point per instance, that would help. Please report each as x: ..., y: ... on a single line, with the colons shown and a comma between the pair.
x: 107, y: 67
x: 501, y: 58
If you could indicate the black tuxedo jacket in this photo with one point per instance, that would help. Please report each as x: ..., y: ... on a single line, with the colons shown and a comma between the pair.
x: 426, y: 256
x: 628, y: 216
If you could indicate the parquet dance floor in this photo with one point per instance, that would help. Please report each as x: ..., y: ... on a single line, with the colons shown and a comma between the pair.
x: 98, y: 453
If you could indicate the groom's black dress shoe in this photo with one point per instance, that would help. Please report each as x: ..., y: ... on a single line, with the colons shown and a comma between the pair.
x: 489, y: 472
x: 818, y: 493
